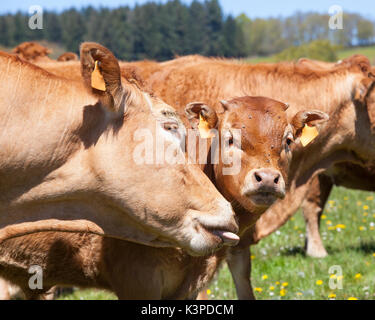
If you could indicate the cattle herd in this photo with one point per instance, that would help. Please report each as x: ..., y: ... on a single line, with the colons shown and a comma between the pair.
x: 75, y: 202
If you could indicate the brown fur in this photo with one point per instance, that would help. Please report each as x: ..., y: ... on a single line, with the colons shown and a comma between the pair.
x: 66, y: 162
x: 32, y: 52
x: 68, y: 56
x: 92, y: 261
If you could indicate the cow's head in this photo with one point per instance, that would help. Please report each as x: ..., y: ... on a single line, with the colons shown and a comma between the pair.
x: 164, y: 203
x: 264, y: 146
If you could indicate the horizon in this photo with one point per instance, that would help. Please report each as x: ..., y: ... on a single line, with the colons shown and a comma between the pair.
x: 269, y: 9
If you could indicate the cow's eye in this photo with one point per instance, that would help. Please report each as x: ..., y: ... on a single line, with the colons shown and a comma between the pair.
x: 171, y: 126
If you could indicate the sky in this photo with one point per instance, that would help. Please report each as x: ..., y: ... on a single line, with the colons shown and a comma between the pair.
x: 253, y: 8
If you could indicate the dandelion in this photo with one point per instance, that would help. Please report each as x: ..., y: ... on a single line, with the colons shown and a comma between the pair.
x: 362, y: 228
x: 323, y: 217
x: 272, y: 288
x: 258, y: 290
x: 333, y: 276
x: 332, y: 296
x: 252, y: 257
x: 366, y: 208
x: 340, y: 277
x: 282, y: 293
x: 264, y: 277
x: 352, y: 298
x: 358, y: 276
x: 319, y: 282
x: 329, y: 222
x: 365, y: 214
x: 209, y: 292
x: 373, y: 255
x: 359, y: 203
x: 278, y: 282
x: 370, y: 198
x: 341, y: 226
x: 332, y: 228
x: 285, y: 284
x: 299, y: 294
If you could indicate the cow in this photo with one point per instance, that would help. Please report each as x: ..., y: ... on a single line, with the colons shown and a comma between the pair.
x: 68, y: 56
x: 340, y: 92
x: 67, y: 161
x: 32, y: 52
x: 350, y: 175
x: 135, y: 271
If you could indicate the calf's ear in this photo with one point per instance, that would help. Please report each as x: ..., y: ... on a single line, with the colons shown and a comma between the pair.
x: 202, y: 117
x: 101, y: 74
x: 304, y: 124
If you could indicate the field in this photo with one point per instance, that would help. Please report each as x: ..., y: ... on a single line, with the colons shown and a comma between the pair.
x: 282, y: 271
x: 342, y: 54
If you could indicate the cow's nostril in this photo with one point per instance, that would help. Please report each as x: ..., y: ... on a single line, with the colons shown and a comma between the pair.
x: 257, y: 177
x: 277, y: 180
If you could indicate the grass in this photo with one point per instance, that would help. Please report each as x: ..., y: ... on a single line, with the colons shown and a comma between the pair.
x: 342, y: 54
x: 282, y: 271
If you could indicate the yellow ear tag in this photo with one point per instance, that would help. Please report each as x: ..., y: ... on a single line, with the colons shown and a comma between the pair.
x: 97, y: 80
x: 309, y: 134
x: 204, y: 128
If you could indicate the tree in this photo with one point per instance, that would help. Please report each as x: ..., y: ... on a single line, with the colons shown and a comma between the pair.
x: 365, y: 32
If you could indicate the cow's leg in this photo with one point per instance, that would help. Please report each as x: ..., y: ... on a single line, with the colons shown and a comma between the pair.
x: 239, y: 263
x: 313, y: 207
x: 4, y: 290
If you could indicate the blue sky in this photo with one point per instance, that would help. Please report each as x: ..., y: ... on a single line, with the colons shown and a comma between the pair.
x: 253, y: 8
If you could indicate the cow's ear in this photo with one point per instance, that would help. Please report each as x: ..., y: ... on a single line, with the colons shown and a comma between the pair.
x: 304, y: 124
x: 201, y: 117
x: 363, y: 88
x: 101, y: 73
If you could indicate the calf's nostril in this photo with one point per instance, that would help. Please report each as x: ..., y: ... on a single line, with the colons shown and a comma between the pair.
x: 258, y: 177
x: 277, y: 180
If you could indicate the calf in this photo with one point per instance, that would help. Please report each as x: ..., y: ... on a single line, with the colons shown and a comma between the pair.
x: 340, y: 92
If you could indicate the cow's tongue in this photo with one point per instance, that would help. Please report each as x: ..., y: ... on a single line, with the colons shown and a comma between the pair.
x: 228, y: 238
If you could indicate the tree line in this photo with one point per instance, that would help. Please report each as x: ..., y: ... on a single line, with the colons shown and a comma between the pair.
x: 162, y: 31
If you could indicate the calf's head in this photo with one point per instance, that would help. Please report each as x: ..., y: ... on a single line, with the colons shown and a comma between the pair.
x: 168, y: 204
x: 263, y: 142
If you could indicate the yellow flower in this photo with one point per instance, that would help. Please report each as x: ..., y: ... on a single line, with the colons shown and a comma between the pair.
x: 319, y: 282
x: 272, y: 288
x: 366, y: 208
x: 331, y: 228
x: 252, y: 257
x: 332, y: 296
x: 373, y: 255
x: 258, y: 290
x: 299, y: 294
x: 329, y: 222
x: 340, y: 277
x: 323, y: 217
x: 282, y: 292
x: 278, y: 282
x: 370, y: 198
x: 208, y: 291
x: 359, y: 203
x: 333, y: 276
x: 341, y: 226
x: 295, y: 228
x: 265, y: 277
x: 285, y: 284
x: 358, y: 276
x: 365, y: 214
x: 362, y: 228
x: 352, y: 298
